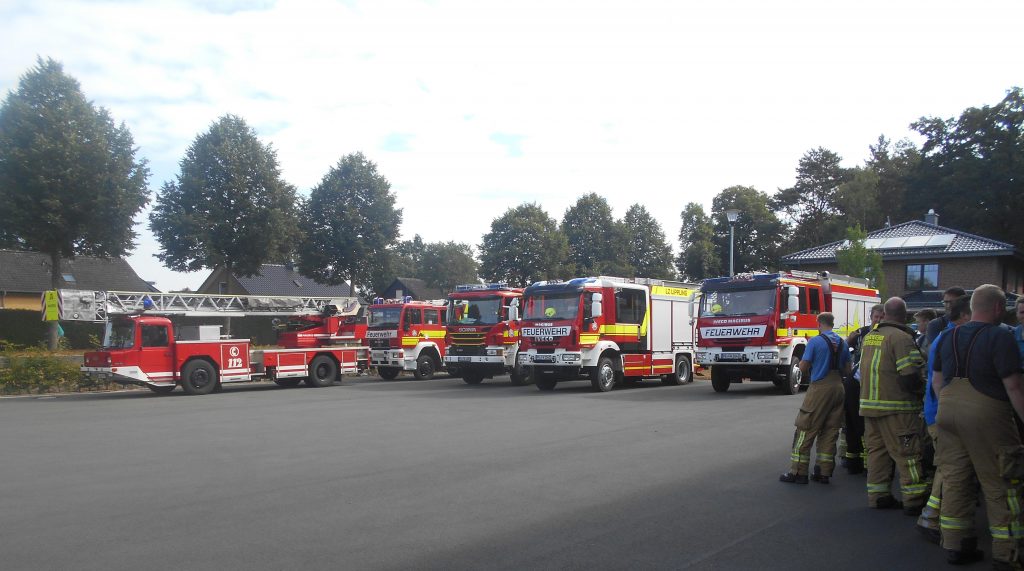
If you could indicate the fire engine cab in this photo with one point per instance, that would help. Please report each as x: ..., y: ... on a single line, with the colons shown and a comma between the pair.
x: 406, y: 335
x: 483, y: 332
x: 755, y: 326
x: 608, y: 329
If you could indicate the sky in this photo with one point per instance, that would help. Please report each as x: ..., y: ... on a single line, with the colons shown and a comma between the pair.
x: 476, y: 107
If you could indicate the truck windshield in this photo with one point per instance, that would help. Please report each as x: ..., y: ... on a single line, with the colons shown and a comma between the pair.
x: 119, y: 335
x: 385, y: 316
x: 474, y: 311
x: 737, y: 303
x: 552, y: 306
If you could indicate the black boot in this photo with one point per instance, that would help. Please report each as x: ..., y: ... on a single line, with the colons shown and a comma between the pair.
x: 887, y: 503
x: 791, y: 478
x: 968, y: 553
x: 854, y: 466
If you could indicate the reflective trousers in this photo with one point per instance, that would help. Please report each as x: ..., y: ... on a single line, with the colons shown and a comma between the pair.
x: 930, y: 514
x: 854, y: 426
x: 895, y: 438
x: 820, y: 418
x: 978, y: 435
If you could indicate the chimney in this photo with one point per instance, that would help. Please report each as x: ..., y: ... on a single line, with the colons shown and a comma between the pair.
x: 932, y: 217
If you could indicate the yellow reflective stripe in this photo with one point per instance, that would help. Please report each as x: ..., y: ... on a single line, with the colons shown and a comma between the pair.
x: 934, y: 502
x: 891, y: 405
x: 915, y: 477
x: 826, y: 457
x: 620, y: 329
x: 946, y: 522
x: 876, y: 359
x: 798, y: 443
x: 914, y: 489
x: 589, y: 339
x: 999, y: 532
x: 878, y: 488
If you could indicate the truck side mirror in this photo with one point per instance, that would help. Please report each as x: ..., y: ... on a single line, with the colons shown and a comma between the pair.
x: 596, y: 309
x: 513, y: 310
x: 793, y: 302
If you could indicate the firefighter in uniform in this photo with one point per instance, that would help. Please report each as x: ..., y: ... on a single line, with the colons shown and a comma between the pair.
x: 978, y: 378
x: 891, y: 402
x: 821, y: 414
x: 853, y: 431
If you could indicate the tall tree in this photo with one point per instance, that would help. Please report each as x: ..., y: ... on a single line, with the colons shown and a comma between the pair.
x: 759, y: 232
x: 649, y: 251
x: 229, y: 206
x: 895, y: 165
x: 972, y: 169
x: 70, y: 183
x: 350, y: 221
x: 854, y: 259
x: 698, y: 256
x: 524, y: 245
x: 811, y: 204
x: 598, y: 244
x: 447, y: 264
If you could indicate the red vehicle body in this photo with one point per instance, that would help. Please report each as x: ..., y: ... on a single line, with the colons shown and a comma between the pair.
x: 483, y: 333
x: 756, y: 326
x: 406, y: 335
x: 144, y: 350
x: 608, y: 329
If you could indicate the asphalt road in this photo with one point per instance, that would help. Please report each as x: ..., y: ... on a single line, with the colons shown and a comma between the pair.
x: 434, y: 474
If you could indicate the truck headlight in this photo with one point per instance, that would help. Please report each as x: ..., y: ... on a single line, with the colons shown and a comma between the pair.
x: 494, y: 352
x: 571, y: 357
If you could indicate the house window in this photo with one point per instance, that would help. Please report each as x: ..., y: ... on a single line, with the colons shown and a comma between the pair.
x: 922, y: 276
x: 69, y: 278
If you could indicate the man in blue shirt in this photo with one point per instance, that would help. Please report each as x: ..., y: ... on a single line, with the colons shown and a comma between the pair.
x: 824, y: 362
x: 958, y: 313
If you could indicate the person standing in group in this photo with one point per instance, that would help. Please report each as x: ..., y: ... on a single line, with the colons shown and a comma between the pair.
x: 1018, y: 332
x: 978, y: 379
x: 959, y: 313
x: 891, y: 402
x: 853, y: 457
x: 824, y: 362
x: 923, y: 318
x: 938, y: 324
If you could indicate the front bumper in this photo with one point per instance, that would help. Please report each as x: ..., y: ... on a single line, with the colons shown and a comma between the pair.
x: 392, y: 358
x: 126, y: 376
x: 559, y: 358
x: 765, y: 355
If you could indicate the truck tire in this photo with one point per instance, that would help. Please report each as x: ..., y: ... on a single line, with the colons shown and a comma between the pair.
x: 720, y: 379
x: 425, y: 368
x: 472, y: 377
x: 161, y: 390
x: 683, y: 372
x: 287, y: 383
x: 388, y: 373
x: 602, y: 378
x: 323, y: 371
x: 544, y: 382
x: 790, y: 385
x: 198, y: 377
x: 520, y: 376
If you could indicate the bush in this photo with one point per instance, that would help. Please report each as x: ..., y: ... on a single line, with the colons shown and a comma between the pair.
x: 35, y: 371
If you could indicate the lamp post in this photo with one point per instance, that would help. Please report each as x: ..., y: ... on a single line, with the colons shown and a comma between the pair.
x: 733, y: 215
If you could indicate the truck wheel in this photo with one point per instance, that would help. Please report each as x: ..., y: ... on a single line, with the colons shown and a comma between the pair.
x: 424, y: 368
x: 198, y: 377
x: 544, y: 382
x: 287, y: 383
x: 323, y: 371
x: 683, y: 372
x: 388, y: 373
x: 790, y: 385
x: 161, y: 390
x: 720, y: 379
x: 472, y: 378
x: 602, y: 378
x: 520, y: 376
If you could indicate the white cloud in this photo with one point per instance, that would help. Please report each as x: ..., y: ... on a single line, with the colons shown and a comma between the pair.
x: 487, y: 105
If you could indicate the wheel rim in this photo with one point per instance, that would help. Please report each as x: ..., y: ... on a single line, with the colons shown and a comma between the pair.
x: 426, y: 368
x: 681, y: 374
x: 607, y: 377
x: 322, y: 371
x: 795, y: 377
x: 199, y: 378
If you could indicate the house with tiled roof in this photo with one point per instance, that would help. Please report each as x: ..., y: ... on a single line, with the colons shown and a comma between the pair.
x: 920, y: 259
x: 417, y: 288
x: 24, y: 276
x: 272, y: 279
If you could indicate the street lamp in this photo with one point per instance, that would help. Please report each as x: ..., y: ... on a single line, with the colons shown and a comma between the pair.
x: 733, y: 215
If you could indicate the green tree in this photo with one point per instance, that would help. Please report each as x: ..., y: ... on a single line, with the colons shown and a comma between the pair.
x: 524, y: 245
x: 759, y: 232
x: 350, y: 221
x: 972, y: 169
x: 698, y: 256
x: 895, y: 166
x: 229, y: 206
x: 811, y: 204
x: 598, y: 244
x: 649, y: 252
x: 70, y: 183
x: 854, y: 259
x: 858, y: 198
x: 447, y: 264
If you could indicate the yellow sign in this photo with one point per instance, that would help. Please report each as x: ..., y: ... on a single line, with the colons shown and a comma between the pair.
x: 672, y: 291
x: 51, y: 305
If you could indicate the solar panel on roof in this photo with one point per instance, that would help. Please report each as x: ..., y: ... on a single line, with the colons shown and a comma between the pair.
x: 916, y: 241
x: 941, y: 239
x: 892, y: 243
x: 873, y: 243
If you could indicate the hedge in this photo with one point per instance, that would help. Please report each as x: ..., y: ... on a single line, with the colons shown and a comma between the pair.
x: 36, y: 371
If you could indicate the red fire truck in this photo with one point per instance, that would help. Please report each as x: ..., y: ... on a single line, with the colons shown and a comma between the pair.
x: 406, y: 335
x: 483, y: 332
x: 608, y: 329
x: 142, y: 346
x: 756, y: 326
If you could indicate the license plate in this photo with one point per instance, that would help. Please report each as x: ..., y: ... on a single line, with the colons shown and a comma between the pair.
x: 543, y: 358
x: 731, y: 357
x: 465, y: 359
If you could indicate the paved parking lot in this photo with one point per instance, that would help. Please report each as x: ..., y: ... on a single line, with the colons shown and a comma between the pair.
x: 435, y: 474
